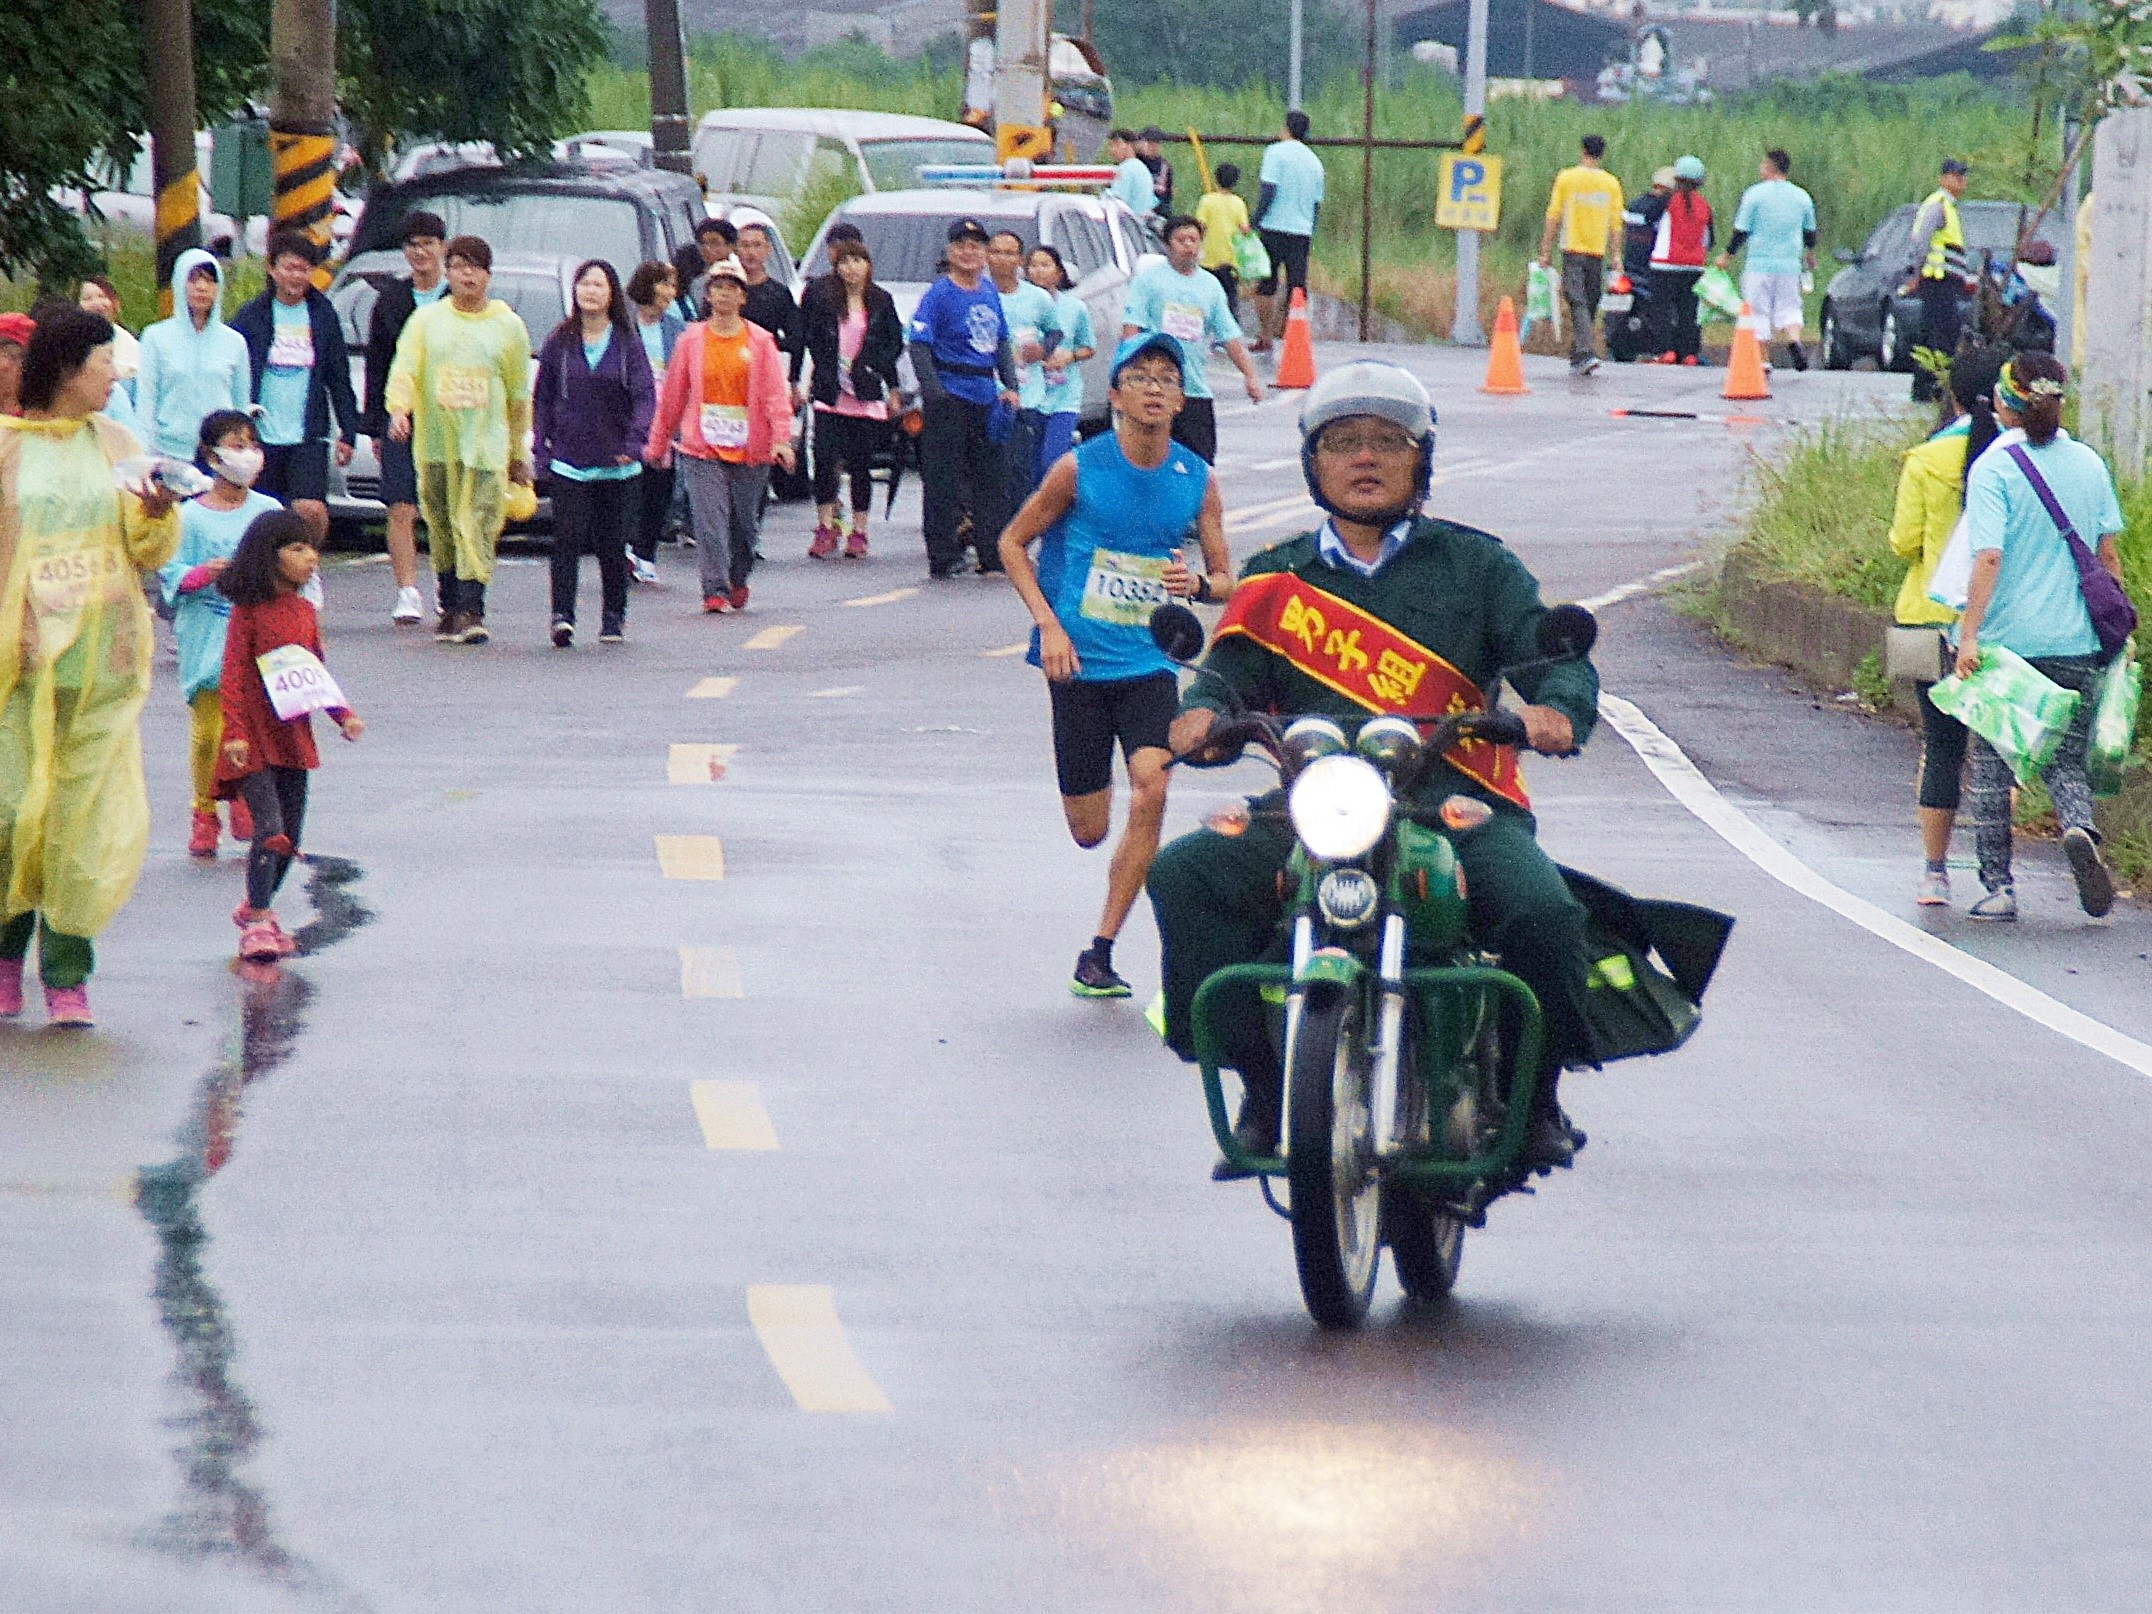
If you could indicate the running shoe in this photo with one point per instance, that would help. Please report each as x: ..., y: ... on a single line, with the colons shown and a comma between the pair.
x: 1997, y: 906
x: 825, y: 543
x: 10, y: 988
x: 1934, y: 889
x: 611, y: 631
x: 1692, y: 360
x: 262, y: 942
x: 1094, y: 978
x: 471, y: 629
x: 563, y: 633
x: 739, y: 598
x: 68, y: 1006
x: 646, y: 571
x: 2095, y: 886
x: 855, y: 545
x: 203, y: 841
x: 408, y: 607
x: 1669, y: 357
x: 242, y: 819
x: 716, y: 604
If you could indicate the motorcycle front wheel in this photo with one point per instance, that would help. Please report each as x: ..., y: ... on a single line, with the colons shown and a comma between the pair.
x: 1427, y: 1243
x: 1337, y: 1199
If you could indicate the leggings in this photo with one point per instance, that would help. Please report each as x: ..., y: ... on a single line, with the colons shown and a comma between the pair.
x: 62, y: 960
x: 277, y: 799
x: 846, y: 443
x: 204, y: 739
x: 2064, y: 777
x: 1942, y: 754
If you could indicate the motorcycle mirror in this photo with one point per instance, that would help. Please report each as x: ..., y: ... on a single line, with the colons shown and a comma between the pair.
x: 1177, y: 631
x: 1566, y: 633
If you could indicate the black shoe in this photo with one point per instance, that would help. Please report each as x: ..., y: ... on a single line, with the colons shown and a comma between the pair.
x: 563, y: 633
x: 1094, y: 977
x: 941, y: 574
x: 1552, y: 1141
x: 612, y: 630
x: 1257, y: 1129
x: 2095, y: 886
x: 1798, y: 354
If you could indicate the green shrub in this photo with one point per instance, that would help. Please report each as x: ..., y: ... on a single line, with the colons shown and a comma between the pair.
x: 1821, y: 509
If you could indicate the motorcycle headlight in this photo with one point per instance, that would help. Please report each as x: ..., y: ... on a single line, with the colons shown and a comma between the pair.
x: 1340, y: 806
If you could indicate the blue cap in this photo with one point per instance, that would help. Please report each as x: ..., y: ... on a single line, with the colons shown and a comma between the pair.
x: 1134, y: 347
x: 1689, y: 168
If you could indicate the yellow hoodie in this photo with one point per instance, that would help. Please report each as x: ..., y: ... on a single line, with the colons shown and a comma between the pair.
x: 1931, y: 493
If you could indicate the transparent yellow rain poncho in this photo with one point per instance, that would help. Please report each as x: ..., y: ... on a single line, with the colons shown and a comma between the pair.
x: 465, y: 379
x: 76, y: 650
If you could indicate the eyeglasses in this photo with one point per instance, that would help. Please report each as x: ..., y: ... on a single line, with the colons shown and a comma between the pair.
x: 1386, y: 441
x: 1148, y: 381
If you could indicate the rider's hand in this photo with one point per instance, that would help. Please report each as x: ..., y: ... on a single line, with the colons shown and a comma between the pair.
x: 1189, y: 731
x: 1968, y: 657
x: 1057, y: 654
x: 1548, y: 731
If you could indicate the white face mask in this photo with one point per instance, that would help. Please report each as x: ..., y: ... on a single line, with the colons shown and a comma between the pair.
x: 239, y: 465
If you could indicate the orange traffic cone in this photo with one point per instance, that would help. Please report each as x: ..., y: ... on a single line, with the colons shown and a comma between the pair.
x: 1744, y: 370
x: 1505, y: 360
x: 1296, y: 366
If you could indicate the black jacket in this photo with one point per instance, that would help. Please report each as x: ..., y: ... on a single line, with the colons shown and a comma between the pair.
x: 330, y: 385
x: 392, y: 312
x: 875, y: 372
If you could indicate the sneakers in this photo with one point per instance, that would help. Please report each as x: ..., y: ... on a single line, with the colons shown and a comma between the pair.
x: 1584, y: 366
x: 471, y: 629
x: 1934, y: 889
x: 646, y: 571
x: 202, y: 842
x: 242, y: 819
x: 408, y: 608
x: 855, y: 545
x: 1094, y: 977
x: 825, y: 543
x: 716, y: 604
x: 1552, y: 1141
x: 739, y: 597
x: 2095, y: 886
x: 612, y: 630
x: 1669, y: 357
x: 563, y: 633
x: 261, y: 939
x: 10, y: 988
x: 1998, y: 905
x: 67, y: 1005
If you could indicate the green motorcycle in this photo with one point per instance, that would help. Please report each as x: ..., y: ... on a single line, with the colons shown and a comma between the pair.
x: 1410, y: 1057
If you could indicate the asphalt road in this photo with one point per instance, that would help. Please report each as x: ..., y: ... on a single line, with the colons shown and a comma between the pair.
x: 572, y: 1229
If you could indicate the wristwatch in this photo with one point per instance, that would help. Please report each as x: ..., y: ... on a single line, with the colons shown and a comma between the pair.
x: 1202, y: 594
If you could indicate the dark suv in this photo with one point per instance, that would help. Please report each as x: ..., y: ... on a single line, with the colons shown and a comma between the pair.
x: 1866, y: 313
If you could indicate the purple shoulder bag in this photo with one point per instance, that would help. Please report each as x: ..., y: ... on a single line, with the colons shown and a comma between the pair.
x: 2114, y: 618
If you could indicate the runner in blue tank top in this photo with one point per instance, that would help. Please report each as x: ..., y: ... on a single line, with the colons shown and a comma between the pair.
x: 1113, y: 520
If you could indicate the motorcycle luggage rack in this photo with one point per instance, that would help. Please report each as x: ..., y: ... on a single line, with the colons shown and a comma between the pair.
x: 1438, y: 989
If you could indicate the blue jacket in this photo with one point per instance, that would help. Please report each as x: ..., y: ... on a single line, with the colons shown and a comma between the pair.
x: 331, y: 381
x: 187, y: 374
x: 589, y: 418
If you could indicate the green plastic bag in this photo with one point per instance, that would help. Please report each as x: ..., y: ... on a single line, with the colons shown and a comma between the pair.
x: 2114, y: 723
x: 2013, y: 706
x: 1541, y: 293
x: 1251, y: 257
x: 1715, y: 289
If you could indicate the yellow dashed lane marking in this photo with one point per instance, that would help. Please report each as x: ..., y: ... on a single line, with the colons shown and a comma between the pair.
x: 698, y: 764
x: 771, y: 638
x: 1016, y: 649
x: 799, y: 1330
x: 731, y: 1116
x: 713, y: 689
x: 710, y: 972
x: 691, y: 857
x: 838, y: 693
x: 890, y: 598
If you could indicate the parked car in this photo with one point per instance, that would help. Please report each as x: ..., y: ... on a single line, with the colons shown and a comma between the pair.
x: 771, y: 155
x: 1099, y: 239
x: 1866, y: 313
x: 132, y: 199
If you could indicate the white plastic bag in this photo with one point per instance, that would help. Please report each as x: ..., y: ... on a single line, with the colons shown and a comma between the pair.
x: 1952, y: 580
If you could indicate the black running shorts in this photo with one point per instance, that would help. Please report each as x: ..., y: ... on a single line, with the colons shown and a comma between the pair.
x: 1090, y: 714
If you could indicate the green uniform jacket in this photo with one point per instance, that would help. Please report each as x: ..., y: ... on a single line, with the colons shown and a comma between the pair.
x: 1456, y: 590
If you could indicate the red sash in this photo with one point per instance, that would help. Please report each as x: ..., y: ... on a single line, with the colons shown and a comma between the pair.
x: 1371, y: 664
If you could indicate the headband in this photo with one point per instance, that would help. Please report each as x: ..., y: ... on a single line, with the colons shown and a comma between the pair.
x: 2016, y: 401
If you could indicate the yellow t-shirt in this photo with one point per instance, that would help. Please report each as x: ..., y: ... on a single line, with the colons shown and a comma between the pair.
x: 1223, y: 215
x: 1587, y: 201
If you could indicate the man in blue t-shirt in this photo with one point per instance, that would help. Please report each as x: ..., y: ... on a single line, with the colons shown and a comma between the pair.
x: 1183, y: 300
x: 1113, y: 520
x: 967, y: 374
x: 1285, y: 214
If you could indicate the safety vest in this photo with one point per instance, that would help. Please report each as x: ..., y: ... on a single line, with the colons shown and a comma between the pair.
x: 1946, y: 248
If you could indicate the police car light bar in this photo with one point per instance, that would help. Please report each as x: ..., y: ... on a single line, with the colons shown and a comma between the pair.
x: 1015, y: 172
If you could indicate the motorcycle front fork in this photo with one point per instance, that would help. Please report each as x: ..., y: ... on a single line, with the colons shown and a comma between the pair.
x: 1389, y: 1040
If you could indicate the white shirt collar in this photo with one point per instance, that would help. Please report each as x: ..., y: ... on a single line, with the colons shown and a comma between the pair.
x: 1332, y: 548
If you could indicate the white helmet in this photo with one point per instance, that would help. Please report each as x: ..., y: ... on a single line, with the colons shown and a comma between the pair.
x: 1388, y: 392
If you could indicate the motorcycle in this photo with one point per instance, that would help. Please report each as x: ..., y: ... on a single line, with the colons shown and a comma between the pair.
x: 1411, y: 1057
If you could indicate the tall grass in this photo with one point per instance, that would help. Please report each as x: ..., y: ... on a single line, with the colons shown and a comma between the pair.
x: 1821, y: 510
x: 131, y: 262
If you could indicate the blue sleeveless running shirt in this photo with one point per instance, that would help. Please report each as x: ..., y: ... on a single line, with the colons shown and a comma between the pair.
x: 1102, y: 566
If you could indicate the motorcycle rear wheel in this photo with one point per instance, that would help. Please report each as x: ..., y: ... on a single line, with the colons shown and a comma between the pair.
x: 1337, y: 1199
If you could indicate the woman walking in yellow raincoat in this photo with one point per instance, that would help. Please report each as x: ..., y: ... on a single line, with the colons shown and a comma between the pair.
x: 76, y: 648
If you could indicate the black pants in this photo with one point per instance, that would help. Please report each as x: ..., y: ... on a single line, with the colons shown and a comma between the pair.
x: 1195, y: 428
x: 1229, y: 277
x: 599, y: 517
x: 1942, y: 754
x: 959, y: 470
x: 1942, y: 321
x: 846, y: 444
x: 277, y: 799
x: 1674, y: 291
x: 655, y: 488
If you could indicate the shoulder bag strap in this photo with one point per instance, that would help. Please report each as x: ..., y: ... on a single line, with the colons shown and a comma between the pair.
x: 2046, y: 494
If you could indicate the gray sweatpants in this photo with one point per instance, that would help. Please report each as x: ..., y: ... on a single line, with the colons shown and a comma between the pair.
x: 2065, y: 778
x: 1582, y: 276
x: 724, y: 503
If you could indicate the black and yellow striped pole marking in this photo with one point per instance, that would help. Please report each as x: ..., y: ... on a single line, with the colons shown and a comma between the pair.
x: 1475, y: 138
x: 179, y: 227
x: 302, y: 164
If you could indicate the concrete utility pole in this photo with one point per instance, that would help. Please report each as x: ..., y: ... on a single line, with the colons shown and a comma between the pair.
x: 1465, y: 328
x: 302, y: 117
x: 668, y: 85
x: 2116, y: 406
x: 2065, y: 309
x: 1292, y: 59
x: 1367, y: 175
x: 1022, y: 30
x: 168, y: 65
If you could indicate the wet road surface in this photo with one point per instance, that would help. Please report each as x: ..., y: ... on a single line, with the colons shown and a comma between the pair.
x: 703, y: 1195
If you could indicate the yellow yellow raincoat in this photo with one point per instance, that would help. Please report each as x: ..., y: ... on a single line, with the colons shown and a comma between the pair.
x: 76, y: 650
x: 465, y: 379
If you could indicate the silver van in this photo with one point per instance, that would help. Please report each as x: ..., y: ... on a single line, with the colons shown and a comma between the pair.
x: 771, y: 155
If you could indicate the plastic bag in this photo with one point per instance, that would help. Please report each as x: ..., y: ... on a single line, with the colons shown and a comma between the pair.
x: 2013, y: 706
x: 1952, y: 580
x: 1716, y: 290
x: 2114, y: 723
x: 1251, y: 257
x: 1542, y: 299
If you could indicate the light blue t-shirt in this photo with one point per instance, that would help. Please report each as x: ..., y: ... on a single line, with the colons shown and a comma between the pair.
x: 1029, y: 310
x: 1133, y: 184
x: 1776, y: 213
x: 1072, y: 316
x: 2039, y: 606
x: 289, y: 372
x: 1102, y: 565
x: 1190, y: 308
x: 199, y: 619
x: 1298, y: 175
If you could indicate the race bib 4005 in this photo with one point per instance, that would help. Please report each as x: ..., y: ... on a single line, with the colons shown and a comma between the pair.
x: 297, y: 682
x: 1124, y: 589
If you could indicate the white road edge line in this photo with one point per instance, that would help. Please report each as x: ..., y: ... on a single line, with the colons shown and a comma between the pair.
x: 1687, y: 785
x: 1643, y: 585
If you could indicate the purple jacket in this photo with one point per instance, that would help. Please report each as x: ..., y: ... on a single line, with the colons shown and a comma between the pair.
x: 590, y: 418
